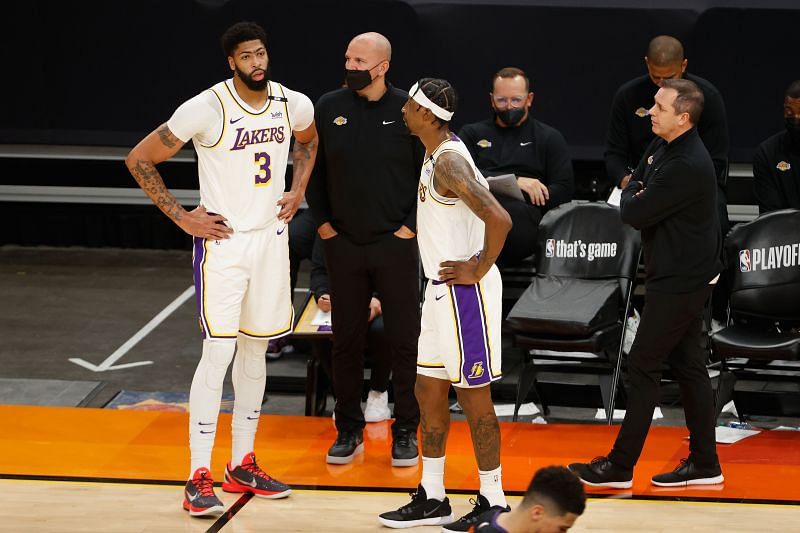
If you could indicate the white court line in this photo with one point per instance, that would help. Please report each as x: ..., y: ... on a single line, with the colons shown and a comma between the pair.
x: 138, y: 336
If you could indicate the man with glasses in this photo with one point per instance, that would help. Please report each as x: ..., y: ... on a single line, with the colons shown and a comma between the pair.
x: 513, y: 142
x: 363, y: 195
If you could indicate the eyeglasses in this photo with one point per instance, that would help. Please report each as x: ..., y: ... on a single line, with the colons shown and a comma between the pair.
x: 516, y: 101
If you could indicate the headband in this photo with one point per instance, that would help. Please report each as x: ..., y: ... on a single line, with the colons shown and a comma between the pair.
x: 419, y: 97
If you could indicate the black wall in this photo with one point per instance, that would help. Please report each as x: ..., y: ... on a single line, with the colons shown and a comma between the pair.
x: 106, y: 73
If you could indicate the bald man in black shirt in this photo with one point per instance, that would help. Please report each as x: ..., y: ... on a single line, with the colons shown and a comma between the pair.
x: 776, y: 163
x: 629, y: 131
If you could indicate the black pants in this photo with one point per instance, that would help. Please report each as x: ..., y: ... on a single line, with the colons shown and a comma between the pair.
x: 302, y: 237
x: 521, y: 240
x: 390, y: 267
x: 669, y: 332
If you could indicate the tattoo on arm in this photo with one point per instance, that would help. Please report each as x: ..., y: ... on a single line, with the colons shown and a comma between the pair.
x: 455, y: 173
x: 486, y: 441
x: 167, y: 138
x: 301, y: 155
x: 152, y: 184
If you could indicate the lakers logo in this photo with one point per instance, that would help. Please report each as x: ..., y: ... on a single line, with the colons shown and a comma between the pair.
x: 477, y: 370
x: 641, y: 112
x: 422, y: 191
x: 340, y: 121
x: 783, y: 166
x: 483, y: 143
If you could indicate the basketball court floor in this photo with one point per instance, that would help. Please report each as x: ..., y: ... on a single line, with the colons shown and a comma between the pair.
x: 69, y: 465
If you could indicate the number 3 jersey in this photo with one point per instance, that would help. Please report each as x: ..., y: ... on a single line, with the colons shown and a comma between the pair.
x: 242, y: 152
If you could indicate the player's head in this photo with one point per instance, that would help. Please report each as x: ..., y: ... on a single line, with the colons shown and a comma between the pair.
x: 245, y: 46
x: 665, y: 59
x: 431, y: 104
x: 553, y: 502
x: 511, y: 96
x: 366, y: 60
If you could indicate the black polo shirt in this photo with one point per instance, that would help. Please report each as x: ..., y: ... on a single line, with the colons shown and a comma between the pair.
x: 776, y: 169
x: 367, y: 169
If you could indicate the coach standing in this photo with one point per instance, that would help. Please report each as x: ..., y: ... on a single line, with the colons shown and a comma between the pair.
x: 363, y: 195
x: 671, y: 198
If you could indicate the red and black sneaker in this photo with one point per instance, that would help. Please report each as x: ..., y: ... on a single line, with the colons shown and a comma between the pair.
x: 198, y: 495
x: 248, y: 477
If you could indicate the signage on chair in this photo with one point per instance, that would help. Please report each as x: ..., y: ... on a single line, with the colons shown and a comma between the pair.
x: 772, y: 257
x: 579, y: 249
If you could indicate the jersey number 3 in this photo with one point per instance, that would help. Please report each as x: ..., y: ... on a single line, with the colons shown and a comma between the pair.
x: 264, y: 172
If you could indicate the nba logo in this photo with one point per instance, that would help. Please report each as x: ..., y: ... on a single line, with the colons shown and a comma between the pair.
x: 744, y: 260
x: 550, y: 248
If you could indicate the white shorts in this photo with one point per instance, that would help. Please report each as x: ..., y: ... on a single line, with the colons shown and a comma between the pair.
x: 459, y: 339
x: 242, y: 284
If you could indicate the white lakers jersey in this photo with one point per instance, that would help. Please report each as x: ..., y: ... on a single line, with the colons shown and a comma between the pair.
x: 242, y: 152
x: 447, y: 230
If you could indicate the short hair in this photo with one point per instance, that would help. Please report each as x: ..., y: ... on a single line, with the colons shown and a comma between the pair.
x: 690, y: 98
x: 239, y: 33
x: 793, y: 90
x: 556, y: 486
x: 664, y: 50
x: 441, y: 93
x: 511, y: 73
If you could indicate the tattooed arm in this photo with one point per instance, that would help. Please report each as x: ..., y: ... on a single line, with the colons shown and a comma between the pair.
x: 303, y: 157
x: 158, y: 146
x: 454, y: 177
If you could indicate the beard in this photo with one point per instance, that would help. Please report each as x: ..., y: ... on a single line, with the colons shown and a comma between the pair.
x: 253, y: 85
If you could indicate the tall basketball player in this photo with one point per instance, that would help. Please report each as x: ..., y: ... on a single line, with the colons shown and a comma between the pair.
x: 241, y: 130
x: 461, y: 230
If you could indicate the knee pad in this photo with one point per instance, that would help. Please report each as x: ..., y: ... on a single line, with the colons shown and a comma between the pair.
x: 217, y: 356
x: 252, y: 355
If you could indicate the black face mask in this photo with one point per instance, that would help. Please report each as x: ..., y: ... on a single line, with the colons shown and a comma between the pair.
x: 793, y: 127
x: 510, y: 116
x: 357, y: 79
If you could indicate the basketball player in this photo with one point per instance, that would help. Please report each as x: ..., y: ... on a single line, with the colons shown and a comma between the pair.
x: 461, y: 230
x: 241, y: 131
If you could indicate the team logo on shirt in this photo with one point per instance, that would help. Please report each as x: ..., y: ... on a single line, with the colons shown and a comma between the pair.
x: 783, y: 166
x: 422, y: 190
x: 650, y: 160
x: 476, y: 371
x: 641, y: 112
x: 340, y: 120
x: 245, y: 137
x: 780, y: 256
x: 484, y: 143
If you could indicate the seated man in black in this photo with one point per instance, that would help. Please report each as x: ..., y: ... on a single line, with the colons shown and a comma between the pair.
x: 776, y: 163
x: 513, y: 142
x: 629, y: 131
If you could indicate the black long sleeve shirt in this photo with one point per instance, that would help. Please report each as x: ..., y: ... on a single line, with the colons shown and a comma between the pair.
x: 533, y: 149
x: 676, y: 213
x: 630, y: 131
x: 367, y: 169
x: 776, y: 173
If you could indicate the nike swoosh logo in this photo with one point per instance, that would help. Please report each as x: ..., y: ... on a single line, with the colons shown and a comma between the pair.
x: 251, y: 483
x: 526, y: 144
x: 439, y: 297
x: 252, y: 418
x: 426, y: 514
x: 205, y: 423
x: 192, y: 497
x: 280, y: 231
x: 385, y: 123
x: 234, y: 121
x: 205, y: 432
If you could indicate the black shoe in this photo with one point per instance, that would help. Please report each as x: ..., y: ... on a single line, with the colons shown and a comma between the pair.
x: 603, y: 473
x: 405, y: 451
x: 198, y: 495
x: 473, y: 517
x: 420, y: 512
x: 689, y: 473
x: 347, y: 445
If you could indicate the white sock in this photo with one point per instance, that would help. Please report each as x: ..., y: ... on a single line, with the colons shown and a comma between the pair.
x: 204, y: 400
x: 433, y: 477
x: 492, y: 486
x: 249, y: 375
